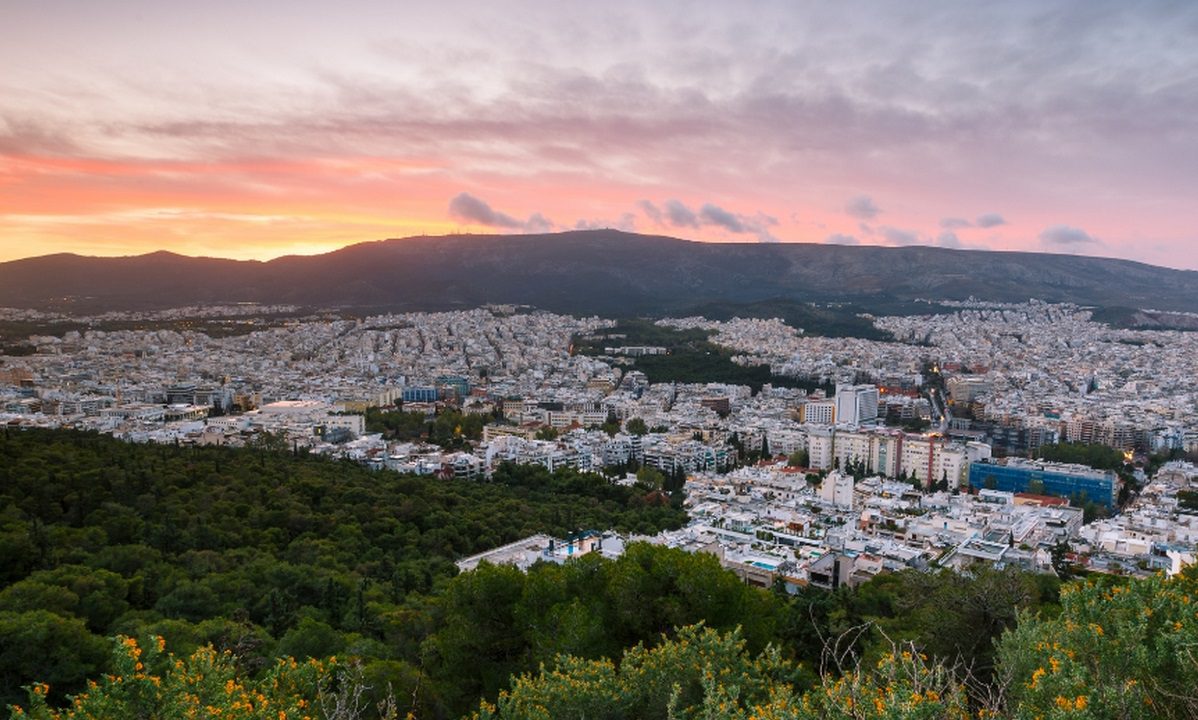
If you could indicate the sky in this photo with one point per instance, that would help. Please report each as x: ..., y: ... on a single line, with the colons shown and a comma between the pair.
x: 259, y: 128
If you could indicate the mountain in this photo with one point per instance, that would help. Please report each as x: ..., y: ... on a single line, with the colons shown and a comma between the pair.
x: 594, y: 271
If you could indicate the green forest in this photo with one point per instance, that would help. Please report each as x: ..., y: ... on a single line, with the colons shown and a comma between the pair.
x: 173, y: 582
x: 267, y: 552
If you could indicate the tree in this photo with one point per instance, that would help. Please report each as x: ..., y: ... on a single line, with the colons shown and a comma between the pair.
x: 650, y: 478
x: 636, y: 426
x: 311, y: 638
x: 44, y: 647
x: 269, y: 441
x: 799, y: 458
x: 1060, y: 561
x: 480, y: 643
x: 237, y: 547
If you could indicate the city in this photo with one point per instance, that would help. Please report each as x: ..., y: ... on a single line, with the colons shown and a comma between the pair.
x: 684, y: 360
x: 917, y: 459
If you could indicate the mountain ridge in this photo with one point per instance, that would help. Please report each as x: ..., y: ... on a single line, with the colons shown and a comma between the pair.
x: 599, y: 271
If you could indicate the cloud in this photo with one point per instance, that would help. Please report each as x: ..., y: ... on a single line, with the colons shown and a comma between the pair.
x: 948, y: 239
x: 952, y: 223
x: 19, y: 136
x: 538, y: 223
x: 839, y: 239
x: 760, y: 226
x: 651, y: 211
x: 467, y: 208
x: 475, y: 211
x: 715, y: 215
x: 894, y: 236
x: 677, y: 214
x: 862, y: 207
x: 680, y: 215
x: 1065, y: 236
x: 990, y: 220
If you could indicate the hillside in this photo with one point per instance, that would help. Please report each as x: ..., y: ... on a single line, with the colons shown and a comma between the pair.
x: 205, y: 569
x: 602, y: 271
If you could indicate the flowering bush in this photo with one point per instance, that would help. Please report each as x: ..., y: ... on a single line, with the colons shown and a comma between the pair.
x: 146, y: 682
x: 705, y: 675
x: 1115, y: 651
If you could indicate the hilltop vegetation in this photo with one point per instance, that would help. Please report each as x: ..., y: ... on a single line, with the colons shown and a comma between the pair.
x: 1112, y: 651
x: 240, y: 559
x: 250, y: 549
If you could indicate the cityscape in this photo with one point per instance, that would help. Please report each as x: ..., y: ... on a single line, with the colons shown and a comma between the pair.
x: 684, y: 360
x: 910, y: 453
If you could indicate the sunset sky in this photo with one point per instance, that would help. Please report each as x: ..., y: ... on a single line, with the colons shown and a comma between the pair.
x: 256, y: 128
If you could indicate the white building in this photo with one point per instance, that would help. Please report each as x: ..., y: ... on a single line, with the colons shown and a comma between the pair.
x: 837, y: 488
x: 856, y: 404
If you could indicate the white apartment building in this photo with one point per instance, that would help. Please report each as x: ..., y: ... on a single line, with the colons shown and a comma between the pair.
x: 818, y: 412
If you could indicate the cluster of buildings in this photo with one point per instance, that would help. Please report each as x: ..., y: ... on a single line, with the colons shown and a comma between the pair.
x: 862, y: 492
x: 1035, y: 373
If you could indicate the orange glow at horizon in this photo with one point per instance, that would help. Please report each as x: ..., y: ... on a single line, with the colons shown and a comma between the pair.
x: 260, y: 209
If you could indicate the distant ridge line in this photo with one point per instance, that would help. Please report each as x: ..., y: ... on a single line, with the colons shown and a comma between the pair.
x: 590, y: 271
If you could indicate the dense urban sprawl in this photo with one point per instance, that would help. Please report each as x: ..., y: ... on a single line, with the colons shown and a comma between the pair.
x: 919, y: 459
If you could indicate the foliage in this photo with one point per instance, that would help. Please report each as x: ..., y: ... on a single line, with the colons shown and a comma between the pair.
x: 916, y: 425
x: 497, y: 621
x: 1094, y: 455
x: 1117, y: 650
x: 229, y: 558
x: 830, y: 320
x: 701, y: 673
x: 397, y: 424
x: 448, y: 428
x: 949, y: 616
x: 250, y: 548
x: 150, y: 683
x: 41, y: 645
x: 673, y: 679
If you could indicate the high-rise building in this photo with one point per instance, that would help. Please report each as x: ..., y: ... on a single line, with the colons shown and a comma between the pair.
x: 856, y: 404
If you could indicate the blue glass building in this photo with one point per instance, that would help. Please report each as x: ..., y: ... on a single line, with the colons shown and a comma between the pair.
x: 1068, y: 481
x: 420, y: 394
